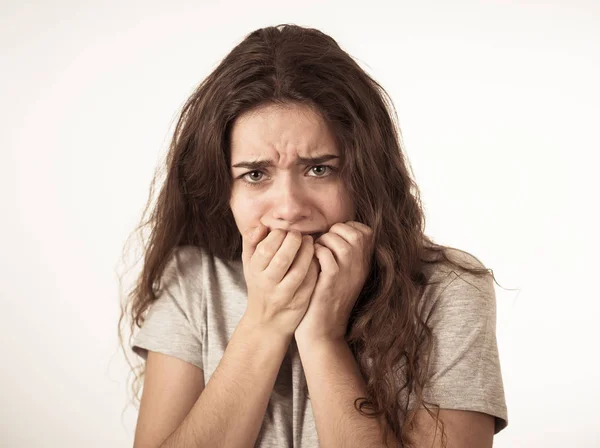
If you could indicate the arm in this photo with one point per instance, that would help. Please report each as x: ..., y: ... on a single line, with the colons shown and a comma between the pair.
x: 231, y: 408
x: 171, y: 387
x: 334, y: 383
x: 467, y: 429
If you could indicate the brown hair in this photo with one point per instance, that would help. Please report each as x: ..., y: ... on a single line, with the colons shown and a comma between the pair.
x: 291, y: 64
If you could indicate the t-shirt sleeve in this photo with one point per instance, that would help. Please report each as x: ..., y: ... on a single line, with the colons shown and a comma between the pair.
x: 465, y: 371
x: 169, y: 326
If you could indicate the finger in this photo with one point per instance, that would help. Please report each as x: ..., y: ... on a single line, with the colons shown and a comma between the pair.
x: 267, y: 248
x: 368, y: 238
x: 307, y: 286
x: 337, y: 245
x: 250, y: 239
x: 283, y: 258
x: 327, y: 261
x: 360, y: 226
x: 348, y: 232
x: 299, y: 268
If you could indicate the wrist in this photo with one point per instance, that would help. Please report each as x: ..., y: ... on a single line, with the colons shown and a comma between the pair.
x: 316, y: 342
x: 264, y: 332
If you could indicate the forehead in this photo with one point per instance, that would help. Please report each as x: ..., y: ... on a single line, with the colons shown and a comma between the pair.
x: 287, y: 130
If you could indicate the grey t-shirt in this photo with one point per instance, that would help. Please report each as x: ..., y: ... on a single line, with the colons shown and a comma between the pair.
x: 203, y: 298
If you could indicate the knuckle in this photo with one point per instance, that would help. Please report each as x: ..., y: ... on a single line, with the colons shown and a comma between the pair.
x: 355, y: 238
x: 280, y: 262
x: 296, y: 236
x: 263, y: 250
x: 336, y: 226
x: 345, y: 251
x: 294, y: 275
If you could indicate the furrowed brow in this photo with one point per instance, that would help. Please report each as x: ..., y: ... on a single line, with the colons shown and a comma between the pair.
x: 267, y: 163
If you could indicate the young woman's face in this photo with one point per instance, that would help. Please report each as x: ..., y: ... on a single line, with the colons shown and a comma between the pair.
x: 291, y: 193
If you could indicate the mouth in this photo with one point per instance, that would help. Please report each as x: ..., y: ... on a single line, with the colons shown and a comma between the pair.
x: 316, y: 235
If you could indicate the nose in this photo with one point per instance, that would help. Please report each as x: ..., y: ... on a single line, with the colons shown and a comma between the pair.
x: 290, y: 203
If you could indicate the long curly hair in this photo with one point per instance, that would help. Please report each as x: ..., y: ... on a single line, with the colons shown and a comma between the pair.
x: 289, y: 64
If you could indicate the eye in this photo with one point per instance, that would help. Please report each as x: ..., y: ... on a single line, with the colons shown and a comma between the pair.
x: 252, y: 172
x: 321, y: 166
x: 254, y: 181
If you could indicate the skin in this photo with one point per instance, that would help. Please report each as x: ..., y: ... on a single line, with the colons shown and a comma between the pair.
x: 344, y: 255
x: 309, y: 199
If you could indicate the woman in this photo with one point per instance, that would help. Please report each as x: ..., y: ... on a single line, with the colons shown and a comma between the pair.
x: 289, y: 296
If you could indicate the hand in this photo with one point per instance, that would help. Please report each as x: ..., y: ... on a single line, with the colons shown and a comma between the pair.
x: 344, y: 255
x: 280, y: 275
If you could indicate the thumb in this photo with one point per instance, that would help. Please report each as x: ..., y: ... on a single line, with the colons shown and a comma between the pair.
x: 250, y: 239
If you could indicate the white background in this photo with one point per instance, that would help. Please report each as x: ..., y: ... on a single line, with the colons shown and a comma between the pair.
x: 499, y: 108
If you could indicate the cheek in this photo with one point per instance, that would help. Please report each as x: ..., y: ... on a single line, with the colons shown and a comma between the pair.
x: 244, y: 208
x: 343, y: 205
x: 334, y: 208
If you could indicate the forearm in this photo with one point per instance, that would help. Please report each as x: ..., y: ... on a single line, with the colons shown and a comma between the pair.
x: 334, y: 383
x: 231, y: 408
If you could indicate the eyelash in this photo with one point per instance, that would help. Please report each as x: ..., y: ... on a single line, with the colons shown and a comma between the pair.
x: 254, y: 184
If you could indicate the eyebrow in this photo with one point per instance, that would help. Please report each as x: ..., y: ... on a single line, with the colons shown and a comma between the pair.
x: 267, y: 163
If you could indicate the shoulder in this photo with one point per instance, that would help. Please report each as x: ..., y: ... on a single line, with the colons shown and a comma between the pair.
x: 183, y: 257
x: 465, y: 372
x: 193, y: 268
x: 456, y: 291
x: 180, y: 281
x: 182, y: 262
x: 458, y: 259
x: 188, y: 258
